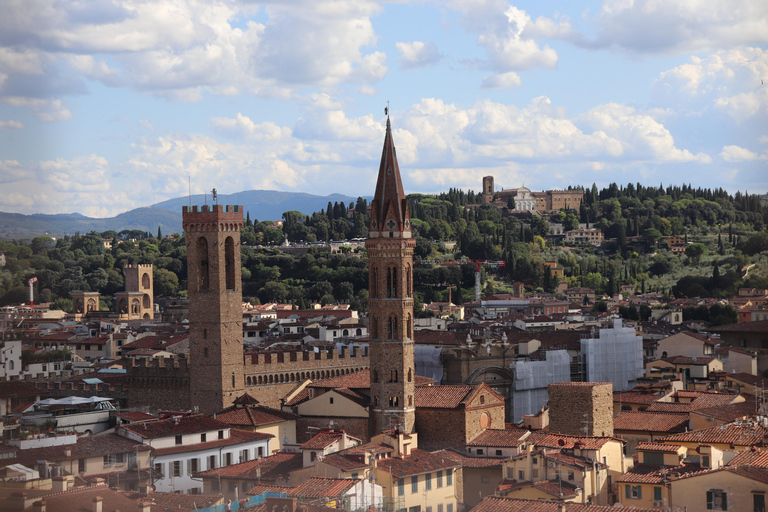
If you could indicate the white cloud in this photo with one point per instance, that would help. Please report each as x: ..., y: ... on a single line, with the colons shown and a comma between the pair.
x: 11, y: 124
x: 507, y: 34
x: 731, y: 80
x: 45, y: 110
x: 735, y: 153
x: 417, y: 54
x: 650, y: 26
x: 242, y: 127
x: 502, y: 81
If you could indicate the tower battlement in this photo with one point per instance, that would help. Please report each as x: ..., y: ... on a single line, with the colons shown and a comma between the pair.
x: 161, y: 363
x: 289, y: 356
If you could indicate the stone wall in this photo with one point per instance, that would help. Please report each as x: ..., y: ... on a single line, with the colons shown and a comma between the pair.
x: 159, y: 384
x: 581, y: 408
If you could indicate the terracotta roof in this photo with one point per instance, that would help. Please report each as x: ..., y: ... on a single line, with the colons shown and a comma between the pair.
x: 759, y: 326
x: 435, y: 337
x: 176, y: 501
x: 561, y: 489
x: 703, y: 401
x: 745, y: 434
x: 245, y: 399
x: 324, y: 439
x: 547, y: 440
x: 157, y: 342
x: 360, y: 399
x: 300, y: 397
x: 751, y: 472
x: 500, y: 437
x: 442, y: 397
x: 317, y: 487
x: 572, y: 460
x: 262, y: 488
x: 85, y: 447
x: 14, y: 388
x: 471, y: 461
x: 687, y: 360
x: 748, y: 378
x: 235, y: 437
x: 193, y: 424
x: 253, y: 416
x: 655, y: 473
x: 268, y: 469
x: 633, y: 397
x: 344, y: 462
x: 416, y: 463
x: 757, y: 458
x: 731, y: 412
x: 499, y: 504
x: 80, y: 499
x: 659, y: 447
x: 649, y: 421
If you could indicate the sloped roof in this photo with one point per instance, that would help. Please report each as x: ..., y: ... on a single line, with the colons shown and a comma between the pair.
x: 317, y: 487
x: 745, y: 434
x: 267, y: 469
x: 418, y: 462
x: 235, y: 437
x: 253, y: 416
x: 442, y: 397
x: 193, y: 424
x: 757, y: 458
x: 344, y: 462
x: 325, y: 438
x: 650, y: 421
x: 14, y: 388
x: 548, y: 440
x: 500, y: 437
x: 85, y: 447
x: 471, y: 461
x: 501, y: 504
x: 81, y: 498
x: 656, y: 473
x: 659, y: 447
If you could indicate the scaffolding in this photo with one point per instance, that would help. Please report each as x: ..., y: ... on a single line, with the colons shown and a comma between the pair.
x: 532, y: 379
x: 615, y: 356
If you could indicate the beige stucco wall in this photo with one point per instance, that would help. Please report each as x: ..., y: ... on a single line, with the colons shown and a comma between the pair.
x: 342, y: 406
x: 445, y: 494
x: 692, y: 492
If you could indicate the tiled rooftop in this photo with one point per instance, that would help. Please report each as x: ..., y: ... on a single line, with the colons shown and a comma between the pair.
x: 649, y: 421
x: 659, y: 447
x: 547, y: 440
x: 471, y: 461
x: 324, y: 439
x: 499, y: 504
x: 745, y: 434
x: 500, y: 437
x: 251, y: 416
x: 193, y: 424
x: 416, y: 463
x: 317, y: 487
x: 268, y: 469
x: 655, y: 474
x: 757, y: 458
x: 235, y: 437
x: 442, y: 397
x: 86, y: 447
x: 15, y: 388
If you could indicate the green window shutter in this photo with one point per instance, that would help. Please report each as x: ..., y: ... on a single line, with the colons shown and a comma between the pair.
x: 626, y: 491
x: 710, y: 499
x: 657, y: 493
x: 639, y: 492
x: 725, y: 501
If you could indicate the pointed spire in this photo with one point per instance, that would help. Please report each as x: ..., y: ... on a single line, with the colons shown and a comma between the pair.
x: 389, y: 208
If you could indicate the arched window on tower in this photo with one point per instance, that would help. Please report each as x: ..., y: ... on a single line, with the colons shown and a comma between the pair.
x: 393, y: 401
x: 389, y: 282
x: 392, y: 327
x: 409, y: 327
x: 375, y: 375
x: 145, y: 283
x: 408, y: 281
x: 229, y: 262
x: 202, y: 271
x: 393, y: 376
x: 410, y: 375
x: 374, y: 328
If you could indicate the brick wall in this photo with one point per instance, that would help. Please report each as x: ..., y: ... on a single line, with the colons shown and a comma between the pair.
x: 581, y: 408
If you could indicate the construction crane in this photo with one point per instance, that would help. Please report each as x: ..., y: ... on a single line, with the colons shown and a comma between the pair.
x: 31, y: 284
x: 478, y: 265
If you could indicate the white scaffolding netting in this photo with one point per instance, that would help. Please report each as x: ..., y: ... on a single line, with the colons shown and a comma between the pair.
x: 427, y: 360
x: 616, y: 356
x: 532, y: 378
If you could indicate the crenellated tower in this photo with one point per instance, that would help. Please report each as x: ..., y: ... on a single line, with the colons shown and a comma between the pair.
x: 215, y: 305
x: 390, y: 303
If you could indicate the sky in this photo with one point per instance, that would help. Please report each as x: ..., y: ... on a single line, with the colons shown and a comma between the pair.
x: 106, y: 106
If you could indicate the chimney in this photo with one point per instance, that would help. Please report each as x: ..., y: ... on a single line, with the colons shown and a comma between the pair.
x: 145, y: 506
x: 60, y: 484
x: 38, y: 506
x: 96, y: 504
x: 561, y: 507
x: 18, y: 501
x: 67, y: 452
x: 144, y: 489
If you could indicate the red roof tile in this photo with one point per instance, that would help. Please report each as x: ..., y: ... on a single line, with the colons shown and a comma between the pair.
x: 649, y: 421
x: 15, y: 388
x: 500, y: 437
x: 656, y: 474
x: 548, y: 440
x: 268, y: 469
x: 659, y: 447
x: 499, y: 504
x: 345, y: 462
x: 745, y: 434
x: 193, y: 424
x: 85, y: 447
x: 317, y: 487
x: 253, y: 416
x: 416, y: 463
x: 442, y: 397
x: 235, y: 437
x: 757, y: 458
x: 81, y: 499
x: 324, y: 439
x: 471, y: 461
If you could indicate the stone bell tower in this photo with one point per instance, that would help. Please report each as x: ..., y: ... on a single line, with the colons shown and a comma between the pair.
x: 390, y: 303
x: 215, y: 305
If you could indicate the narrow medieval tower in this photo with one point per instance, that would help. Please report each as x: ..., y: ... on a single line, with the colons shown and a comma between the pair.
x: 390, y: 265
x: 215, y: 305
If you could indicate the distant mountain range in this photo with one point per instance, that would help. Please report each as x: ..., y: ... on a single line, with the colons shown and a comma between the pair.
x: 261, y: 204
